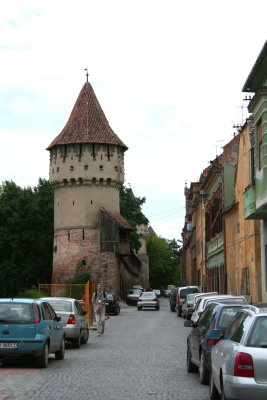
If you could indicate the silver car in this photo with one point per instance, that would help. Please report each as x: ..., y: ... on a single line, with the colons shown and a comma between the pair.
x: 239, y: 360
x: 148, y: 300
x: 204, y: 301
x: 73, y: 319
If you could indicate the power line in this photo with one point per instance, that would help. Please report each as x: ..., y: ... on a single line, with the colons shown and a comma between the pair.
x: 165, y: 212
x: 168, y: 216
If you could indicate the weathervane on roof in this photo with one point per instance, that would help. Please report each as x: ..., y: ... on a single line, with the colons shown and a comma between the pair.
x: 86, y: 69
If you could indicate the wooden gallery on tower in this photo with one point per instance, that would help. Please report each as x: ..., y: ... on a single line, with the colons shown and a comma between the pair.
x: 86, y: 173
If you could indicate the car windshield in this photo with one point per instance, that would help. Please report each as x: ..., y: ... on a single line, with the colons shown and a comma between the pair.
x: 185, y: 292
x: 16, y: 313
x: 148, y: 294
x: 258, y: 336
x: 61, y: 305
x: 226, y: 316
x: 135, y: 291
x: 189, y: 298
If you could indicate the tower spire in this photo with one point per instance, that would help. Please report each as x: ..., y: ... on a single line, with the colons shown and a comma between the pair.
x: 86, y: 69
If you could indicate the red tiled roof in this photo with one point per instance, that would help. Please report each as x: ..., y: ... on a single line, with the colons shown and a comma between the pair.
x: 87, y: 123
x: 119, y: 219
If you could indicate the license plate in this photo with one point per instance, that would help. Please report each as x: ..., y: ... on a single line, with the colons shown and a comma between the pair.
x: 8, y: 345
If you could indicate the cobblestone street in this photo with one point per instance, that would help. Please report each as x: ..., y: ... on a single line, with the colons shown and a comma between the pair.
x: 142, y: 356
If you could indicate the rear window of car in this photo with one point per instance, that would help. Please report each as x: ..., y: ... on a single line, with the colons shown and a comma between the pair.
x: 185, y: 292
x: 148, y: 294
x: 109, y: 296
x: 16, y: 313
x: 62, y: 305
x: 258, y: 336
x: 226, y: 316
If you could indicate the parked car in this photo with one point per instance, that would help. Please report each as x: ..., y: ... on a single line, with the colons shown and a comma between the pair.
x: 173, y: 299
x: 181, y: 294
x: 191, y: 301
x: 132, y: 296
x: 157, y: 291
x: 30, y: 328
x: 148, y: 300
x: 216, y: 316
x: 73, y: 319
x: 139, y: 287
x: 204, y: 301
x: 187, y: 307
x: 239, y: 359
x: 112, y: 304
x: 198, y: 296
x: 167, y: 293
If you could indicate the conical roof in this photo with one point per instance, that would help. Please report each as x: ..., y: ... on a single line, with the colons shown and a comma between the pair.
x: 87, y: 123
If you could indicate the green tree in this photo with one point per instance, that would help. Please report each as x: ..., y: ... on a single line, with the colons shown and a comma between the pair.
x: 163, y: 261
x: 26, y: 236
x: 130, y: 209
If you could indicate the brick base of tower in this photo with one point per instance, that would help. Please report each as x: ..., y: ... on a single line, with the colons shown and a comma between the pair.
x: 75, y: 246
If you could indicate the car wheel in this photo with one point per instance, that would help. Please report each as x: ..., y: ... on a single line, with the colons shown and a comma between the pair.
x: 179, y: 312
x: 223, y: 397
x: 42, y: 360
x: 77, y: 342
x: 85, y: 338
x: 214, y: 394
x: 157, y: 308
x: 203, y: 371
x: 139, y: 308
x: 60, y: 354
x: 190, y: 366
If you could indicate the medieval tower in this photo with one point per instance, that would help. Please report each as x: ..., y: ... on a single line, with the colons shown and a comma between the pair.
x: 86, y: 173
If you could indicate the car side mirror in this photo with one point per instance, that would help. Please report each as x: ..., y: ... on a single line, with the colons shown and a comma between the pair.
x: 189, y: 323
x: 58, y: 318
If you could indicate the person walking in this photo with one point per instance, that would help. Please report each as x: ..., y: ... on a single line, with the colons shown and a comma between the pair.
x: 99, y: 298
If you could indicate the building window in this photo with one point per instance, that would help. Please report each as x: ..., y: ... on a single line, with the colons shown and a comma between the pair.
x: 93, y: 151
x: 101, y: 167
x: 245, y: 287
x: 86, y: 167
x: 238, y: 228
x: 71, y: 168
x: 108, y: 152
x: 68, y: 235
x: 259, y: 130
x: 251, y: 167
x: 57, y: 169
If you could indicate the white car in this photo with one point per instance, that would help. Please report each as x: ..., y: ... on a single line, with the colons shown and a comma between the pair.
x: 204, y: 301
x: 239, y: 360
x: 148, y: 300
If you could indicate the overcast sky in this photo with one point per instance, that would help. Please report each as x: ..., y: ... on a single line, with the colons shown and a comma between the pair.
x: 168, y: 75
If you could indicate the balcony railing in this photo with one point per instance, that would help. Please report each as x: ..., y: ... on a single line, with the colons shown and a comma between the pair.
x: 215, y: 243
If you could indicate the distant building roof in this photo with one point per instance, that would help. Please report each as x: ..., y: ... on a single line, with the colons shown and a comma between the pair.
x: 87, y: 123
x: 119, y: 219
x: 258, y: 73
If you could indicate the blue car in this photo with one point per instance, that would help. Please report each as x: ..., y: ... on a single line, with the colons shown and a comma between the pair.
x: 199, y: 346
x: 30, y: 328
